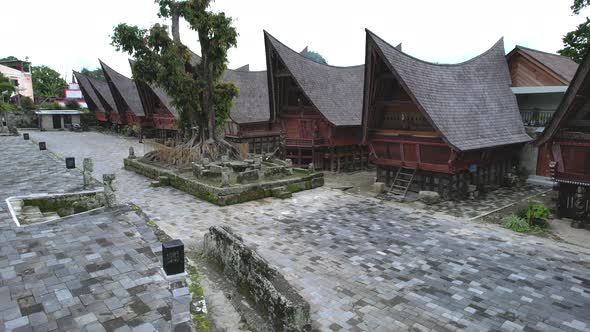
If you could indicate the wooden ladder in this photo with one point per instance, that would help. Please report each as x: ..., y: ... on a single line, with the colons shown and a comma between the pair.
x: 402, y: 182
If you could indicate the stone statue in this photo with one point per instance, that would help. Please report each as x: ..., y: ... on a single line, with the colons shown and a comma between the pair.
x: 88, y: 168
x: 580, y: 206
x: 110, y: 187
x: 131, y: 153
x: 224, y: 179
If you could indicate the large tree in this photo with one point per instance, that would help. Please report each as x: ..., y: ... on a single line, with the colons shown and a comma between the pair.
x: 576, y: 43
x: 47, y: 82
x: 194, y: 84
x: 316, y: 57
x: 96, y: 73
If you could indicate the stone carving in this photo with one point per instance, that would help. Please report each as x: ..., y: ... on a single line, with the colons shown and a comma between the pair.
x: 87, y: 169
x: 247, y: 176
x: 131, y: 153
x: 110, y: 187
x: 311, y: 167
x: 224, y: 179
x: 580, y: 205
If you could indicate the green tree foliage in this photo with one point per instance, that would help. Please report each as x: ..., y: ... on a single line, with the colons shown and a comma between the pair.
x: 576, y: 42
x: 96, y: 73
x: 579, y: 5
x: 27, y: 103
x: 196, y: 88
x: 72, y: 104
x: 9, y: 58
x: 316, y: 57
x: 47, y: 82
x: 6, y: 90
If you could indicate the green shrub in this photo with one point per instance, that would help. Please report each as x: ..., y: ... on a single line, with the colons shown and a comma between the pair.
x: 516, y: 224
x: 521, y: 211
x: 72, y: 104
x: 50, y: 106
x: 27, y: 103
x: 537, y: 214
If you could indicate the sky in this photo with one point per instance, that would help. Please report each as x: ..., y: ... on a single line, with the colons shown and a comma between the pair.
x: 68, y: 35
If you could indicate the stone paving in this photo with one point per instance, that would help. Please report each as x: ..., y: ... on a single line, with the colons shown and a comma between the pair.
x: 92, y: 272
x: 369, y: 265
x: 488, y: 202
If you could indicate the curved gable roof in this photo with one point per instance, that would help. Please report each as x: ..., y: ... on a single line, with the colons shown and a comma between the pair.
x: 127, y: 89
x: 559, y: 64
x: 88, y: 92
x: 470, y: 103
x: 337, y: 92
x: 103, y: 92
x: 574, y: 100
x: 251, y: 105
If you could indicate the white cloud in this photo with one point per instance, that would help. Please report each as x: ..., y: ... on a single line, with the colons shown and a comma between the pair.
x: 70, y: 34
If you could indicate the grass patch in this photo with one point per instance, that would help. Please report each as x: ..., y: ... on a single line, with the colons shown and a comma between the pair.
x: 199, y: 317
x: 517, y: 224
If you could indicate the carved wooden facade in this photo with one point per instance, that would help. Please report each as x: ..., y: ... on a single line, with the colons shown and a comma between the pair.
x: 566, y: 143
x: 317, y: 108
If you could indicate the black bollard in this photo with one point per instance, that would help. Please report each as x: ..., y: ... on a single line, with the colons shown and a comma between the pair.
x: 70, y: 162
x: 173, y: 257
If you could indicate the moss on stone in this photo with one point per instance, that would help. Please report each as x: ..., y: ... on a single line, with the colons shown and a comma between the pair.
x: 210, y: 192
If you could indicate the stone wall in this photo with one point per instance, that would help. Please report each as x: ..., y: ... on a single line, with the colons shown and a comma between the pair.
x: 274, y: 297
x: 227, y: 195
x: 22, y: 119
x: 67, y: 204
x: 528, y: 158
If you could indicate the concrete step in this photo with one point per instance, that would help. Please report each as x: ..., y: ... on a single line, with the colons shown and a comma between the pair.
x: 537, y: 180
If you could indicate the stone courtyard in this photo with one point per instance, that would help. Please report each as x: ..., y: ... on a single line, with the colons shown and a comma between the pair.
x: 361, y: 263
x: 94, y: 272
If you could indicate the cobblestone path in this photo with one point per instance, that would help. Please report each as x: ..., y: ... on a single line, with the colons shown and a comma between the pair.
x: 368, y: 265
x: 93, y: 272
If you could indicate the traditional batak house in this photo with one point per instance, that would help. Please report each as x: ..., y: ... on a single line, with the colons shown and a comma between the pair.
x: 439, y: 127
x: 126, y: 98
x: 567, y: 137
x: 158, y: 109
x: 318, y: 108
x: 249, y: 120
x: 539, y: 80
x: 102, y: 102
x: 103, y: 92
x: 91, y: 98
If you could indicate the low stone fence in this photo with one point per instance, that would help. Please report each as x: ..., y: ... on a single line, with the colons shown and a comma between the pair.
x: 227, y: 195
x: 274, y: 297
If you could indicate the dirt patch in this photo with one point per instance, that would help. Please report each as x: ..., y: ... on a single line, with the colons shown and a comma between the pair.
x: 547, y: 199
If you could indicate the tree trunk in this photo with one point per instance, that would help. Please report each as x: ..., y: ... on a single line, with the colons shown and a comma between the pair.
x: 175, y: 22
